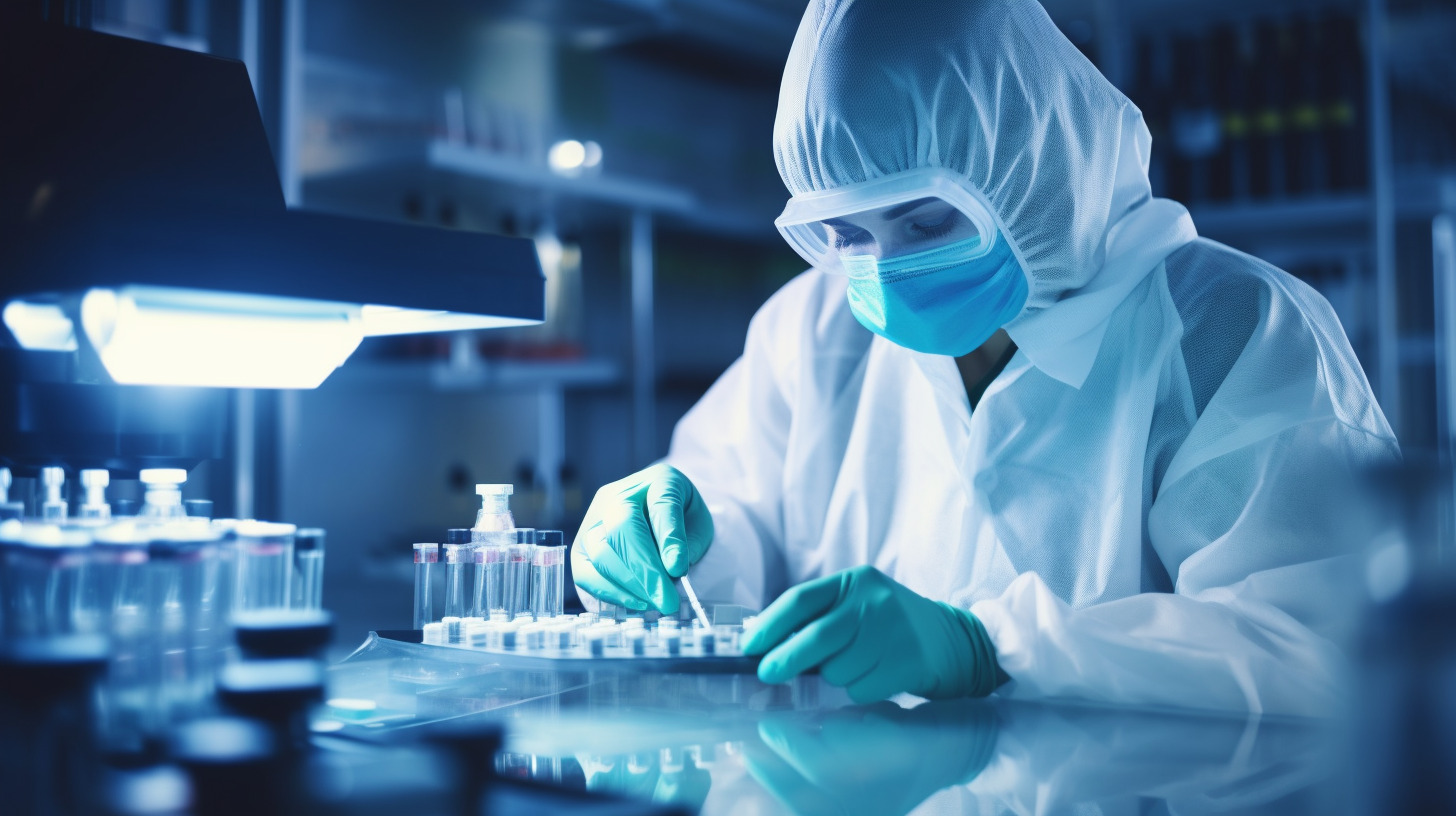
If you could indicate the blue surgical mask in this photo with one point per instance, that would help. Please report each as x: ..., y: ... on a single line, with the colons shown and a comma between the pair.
x: 948, y: 300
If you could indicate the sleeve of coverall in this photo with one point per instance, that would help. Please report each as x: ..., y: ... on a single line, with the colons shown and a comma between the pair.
x: 1259, y: 521
x: 732, y: 443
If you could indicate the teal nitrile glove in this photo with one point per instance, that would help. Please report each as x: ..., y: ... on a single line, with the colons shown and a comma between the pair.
x: 639, y: 534
x: 879, y: 758
x: 874, y: 637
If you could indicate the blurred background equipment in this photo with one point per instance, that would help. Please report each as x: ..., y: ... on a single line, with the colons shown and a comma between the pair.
x: 1407, y: 647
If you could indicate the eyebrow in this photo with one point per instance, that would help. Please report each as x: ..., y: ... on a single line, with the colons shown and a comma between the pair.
x: 890, y: 214
x: 897, y: 211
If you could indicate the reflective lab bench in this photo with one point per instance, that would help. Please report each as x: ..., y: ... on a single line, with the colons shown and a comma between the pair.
x: 725, y: 743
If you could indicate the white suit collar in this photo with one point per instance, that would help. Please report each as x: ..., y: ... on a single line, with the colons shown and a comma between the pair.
x: 1062, y: 340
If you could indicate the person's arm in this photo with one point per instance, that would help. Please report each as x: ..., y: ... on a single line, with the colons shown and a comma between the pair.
x: 1259, y: 520
x: 732, y: 445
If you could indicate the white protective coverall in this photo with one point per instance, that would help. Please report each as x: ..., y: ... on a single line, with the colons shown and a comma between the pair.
x: 1152, y: 503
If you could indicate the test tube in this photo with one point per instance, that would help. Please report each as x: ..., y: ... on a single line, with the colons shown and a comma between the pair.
x: 44, y: 575
x: 548, y: 571
x: 219, y: 583
x: 490, y: 571
x: 118, y: 554
x: 53, y: 508
x: 455, y: 557
x: 518, y: 572
x: 94, y: 506
x: 64, y: 555
x: 469, y: 581
x: 119, y: 576
x: 91, y: 609
x: 11, y: 532
x: 180, y: 637
x: 308, y: 569
x: 265, y: 562
x: 426, y: 555
x: 222, y: 577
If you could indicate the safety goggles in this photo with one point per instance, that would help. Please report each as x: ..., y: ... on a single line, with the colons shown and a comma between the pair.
x: 901, y: 214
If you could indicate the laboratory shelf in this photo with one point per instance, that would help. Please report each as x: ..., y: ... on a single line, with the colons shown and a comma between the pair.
x: 1417, y: 349
x: 1417, y: 194
x: 634, y: 194
x: 1177, y: 13
x: 470, y: 175
x: 482, y: 374
x: 489, y: 166
x: 1333, y: 214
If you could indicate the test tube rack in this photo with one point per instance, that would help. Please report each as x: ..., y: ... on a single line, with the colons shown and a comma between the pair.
x: 589, y: 640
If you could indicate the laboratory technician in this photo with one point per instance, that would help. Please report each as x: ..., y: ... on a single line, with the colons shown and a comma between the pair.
x: 1019, y: 427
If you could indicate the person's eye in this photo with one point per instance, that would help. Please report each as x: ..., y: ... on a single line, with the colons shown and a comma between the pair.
x: 935, y: 226
x: 847, y: 237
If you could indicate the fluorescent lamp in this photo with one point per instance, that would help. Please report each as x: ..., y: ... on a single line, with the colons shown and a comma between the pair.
x: 40, y: 326
x: 159, y: 336
x: 154, y: 335
x: 383, y: 320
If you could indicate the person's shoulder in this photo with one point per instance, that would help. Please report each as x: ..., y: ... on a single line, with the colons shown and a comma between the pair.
x: 810, y: 309
x: 1217, y: 288
x: 1240, y: 312
x: 810, y: 292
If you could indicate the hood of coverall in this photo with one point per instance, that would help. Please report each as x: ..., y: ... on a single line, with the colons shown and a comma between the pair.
x: 992, y: 90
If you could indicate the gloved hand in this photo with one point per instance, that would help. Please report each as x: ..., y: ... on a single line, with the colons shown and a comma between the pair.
x: 640, y: 533
x: 874, y: 637
x: 880, y: 759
